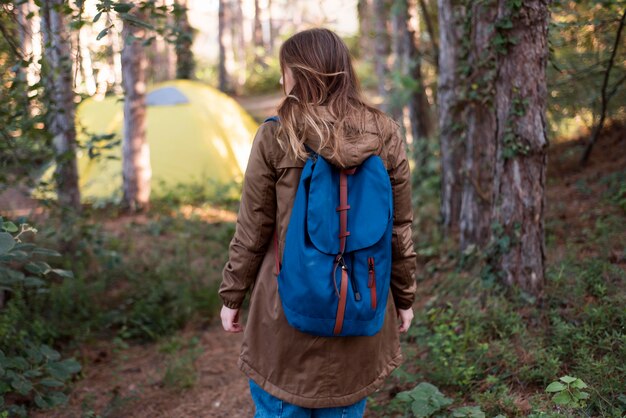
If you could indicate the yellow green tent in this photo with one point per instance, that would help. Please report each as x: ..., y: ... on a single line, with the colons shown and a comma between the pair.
x: 195, y: 134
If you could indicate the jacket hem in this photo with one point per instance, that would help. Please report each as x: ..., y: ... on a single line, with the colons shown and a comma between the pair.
x: 325, y: 402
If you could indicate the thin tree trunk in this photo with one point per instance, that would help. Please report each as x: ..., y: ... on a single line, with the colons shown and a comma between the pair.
x: 419, y: 108
x: 270, y: 21
x: 237, y: 36
x: 116, y: 57
x: 364, y: 11
x: 223, y: 77
x: 86, y: 64
x: 400, y: 52
x: 451, y: 16
x: 25, y: 31
x: 257, y: 35
x: 61, y: 110
x: 430, y: 29
x: 381, y: 49
x: 520, y: 170
x: 185, y: 64
x: 477, y: 195
x: 135, y: 150
x: 605, y: 95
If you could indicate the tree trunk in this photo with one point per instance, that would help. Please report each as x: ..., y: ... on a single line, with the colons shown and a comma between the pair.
x: 364, y: 11
x: 272, y: 29
x: 223, y: 78
x: 60, y: 95
x: 399, y: 17
x: 481, y: 131
x: 116, y: 56
x: 237, y: 37
x: 135, y: 151
x: 451, y: 17
x: 86, y: 62
x: 185, y: 64
x: 520, y: 169
x: 420, y: 114
x: 257, y: 34
x: 381, y: 49
x: 25, y: 31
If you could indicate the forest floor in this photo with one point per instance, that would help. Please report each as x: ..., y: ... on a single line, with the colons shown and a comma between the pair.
x: 131, y: 380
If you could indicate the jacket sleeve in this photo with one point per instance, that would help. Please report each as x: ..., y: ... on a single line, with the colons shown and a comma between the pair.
x: 403, y: 267
x: 255, y: 221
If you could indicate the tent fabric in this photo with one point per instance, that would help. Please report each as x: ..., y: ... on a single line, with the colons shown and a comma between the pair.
x: 165, y: 96
x: 206, y: 138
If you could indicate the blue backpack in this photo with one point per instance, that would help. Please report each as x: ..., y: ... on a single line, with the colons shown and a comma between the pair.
x: 336, y: 265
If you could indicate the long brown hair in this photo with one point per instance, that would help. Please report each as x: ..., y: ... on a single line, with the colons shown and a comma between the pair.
x: 324, y: 76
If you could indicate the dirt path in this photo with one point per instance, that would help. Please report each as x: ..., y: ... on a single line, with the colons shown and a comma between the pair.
x: 131, y: 382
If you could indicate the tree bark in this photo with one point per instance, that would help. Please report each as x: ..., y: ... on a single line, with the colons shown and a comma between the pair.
x: 60, y: 95
x: 185, y: 64
x: 135, y: 150
x: 420, y: 114
x: 381, y: 49
x: 364, y: 11
x: 520, y: 169
x: 452, y: 147
x: 257, y: 34
x: 25, y: 31
x: 480, y: 140
x: 237, y: 37
x: 223, y: 77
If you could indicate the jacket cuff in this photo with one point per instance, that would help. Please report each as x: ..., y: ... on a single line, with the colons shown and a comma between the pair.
x: 403, y: 303
x: 232, y: 304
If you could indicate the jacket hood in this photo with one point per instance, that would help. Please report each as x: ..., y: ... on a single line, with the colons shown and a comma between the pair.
x: 363, y: 138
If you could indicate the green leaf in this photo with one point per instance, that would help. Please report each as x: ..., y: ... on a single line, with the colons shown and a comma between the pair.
x: 46, y: 252
x: 563, y: 398
x: 21, y: 385
x: 57, y: 398
x: 42, y: 402
x: 122, y: 7
x: 9, y: 226
x: 578, y: 384
x: 33, y: 281
x: 102, y: 34
x: 6, y: 242
x: 18, y: 363
x: 49, y: 352
x: 37, y: 267
x: 97, y: 17
x: 567, y: 379
x: 32, y: 373
x: 581, y: 395
x: 51, y: 383
x: 468, y: 412
x: 64, y: 273
x: 555, y: 387
x: 24, y: 246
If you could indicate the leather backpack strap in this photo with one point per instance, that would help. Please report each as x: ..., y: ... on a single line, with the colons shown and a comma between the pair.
x: 343, y: 235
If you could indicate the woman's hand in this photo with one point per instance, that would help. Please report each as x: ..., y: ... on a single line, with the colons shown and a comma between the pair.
x: 405, y: 316
x: 230, y: 320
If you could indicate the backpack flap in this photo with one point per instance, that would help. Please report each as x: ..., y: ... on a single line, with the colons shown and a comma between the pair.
x: 369, y: 189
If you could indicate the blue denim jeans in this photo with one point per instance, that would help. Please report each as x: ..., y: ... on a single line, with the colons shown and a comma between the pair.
x: 268, y: 406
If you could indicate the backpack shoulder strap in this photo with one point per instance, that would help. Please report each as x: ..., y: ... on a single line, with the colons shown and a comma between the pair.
x: 271, y: 118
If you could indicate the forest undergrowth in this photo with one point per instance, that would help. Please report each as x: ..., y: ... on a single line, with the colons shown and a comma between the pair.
x: 144, y: 287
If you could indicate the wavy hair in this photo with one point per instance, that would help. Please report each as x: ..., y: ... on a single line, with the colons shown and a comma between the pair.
x: 323, y: 76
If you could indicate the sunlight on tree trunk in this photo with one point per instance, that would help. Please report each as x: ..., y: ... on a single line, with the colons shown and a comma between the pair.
x: 61, y: 102
x: 136, y: 153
